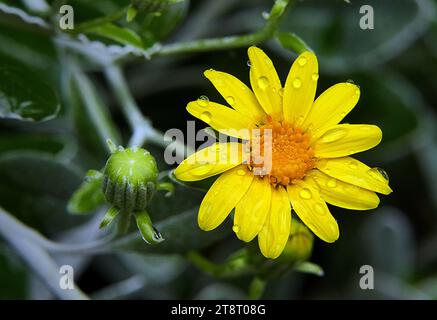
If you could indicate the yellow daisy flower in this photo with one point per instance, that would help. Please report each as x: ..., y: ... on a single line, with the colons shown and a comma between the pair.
x: 309, y: 164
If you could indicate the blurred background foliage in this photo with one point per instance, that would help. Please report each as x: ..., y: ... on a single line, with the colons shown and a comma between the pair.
x: 57, y: 109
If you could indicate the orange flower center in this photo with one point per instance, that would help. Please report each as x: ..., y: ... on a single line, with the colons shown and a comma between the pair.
x: 281, y: 152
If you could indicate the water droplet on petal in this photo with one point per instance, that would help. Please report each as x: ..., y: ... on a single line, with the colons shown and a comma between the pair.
x: 201, y: 170
x: 249, y: 64
x: 230, y: 100
x: 205, y: 116
x: 350, y: 82
x: 331, y: 183
x: 263, y: 83
x: 302, y: 61
x: 203, y: 101
x: 297, y: 83
x: 236, y: 228
x: 379, y: 174
x: 281, y: 92
x: 353, y: 165
x: 315, y: 76
x: 334, y: 135
x: 305, y: 193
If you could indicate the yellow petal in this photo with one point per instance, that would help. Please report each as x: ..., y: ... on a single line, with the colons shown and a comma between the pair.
x: 346, y: 139
x: 274, y: 235
x: 237, y: 94
x: 223, y: 196
x: 313, y: 211
x: 300, y: 88
x: 331, y: 107
x: 210, y: 161
x: 265, y: 82
x: 342, y: 194
x: 252, y: 210
x: 355, y: 172
x: 221, y: 118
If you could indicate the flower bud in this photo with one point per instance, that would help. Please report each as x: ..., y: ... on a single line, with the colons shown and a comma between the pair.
x: 300, y: 243
x: 130, y: 179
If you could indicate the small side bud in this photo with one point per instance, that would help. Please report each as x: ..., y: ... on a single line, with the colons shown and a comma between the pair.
x: 300, y: 243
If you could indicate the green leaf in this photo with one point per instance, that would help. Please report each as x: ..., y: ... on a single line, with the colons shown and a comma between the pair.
x: 109, y: 217
x: 119, y: 34
x: 11, y: 142
x: 309, y: 267
x: 12, y: 274
x: 35, y: 188
x: 24, y: 96
x: 88, y: 197
x: 131, y: 13
x: 293, y: 42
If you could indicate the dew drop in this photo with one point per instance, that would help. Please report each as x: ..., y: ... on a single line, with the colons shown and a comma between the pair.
x: 379, y: 174
x: 201, y: 170
x: 315, y: 76
x: 236, y: 228
x: 281, y: 92
x: 249, y: 64
x: 353, y: 165
x: 334, y: 135
x: 350, y: 82
x: 305, y: 193
x: 302, y: 61
x: 205, y: 116
x: 265, y: 15
x: 203, y: 101
x: 230, y: 100
x: 263, y: 83
x: 331, y: 183
x: 297, y: 83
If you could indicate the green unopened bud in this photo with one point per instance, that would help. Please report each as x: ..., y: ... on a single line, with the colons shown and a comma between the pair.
x: 300, y: 243
x: 130, y: 179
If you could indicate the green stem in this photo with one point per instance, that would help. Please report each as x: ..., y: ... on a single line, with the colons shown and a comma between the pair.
x: 84, y: 26
x: 229, y: 42
x: 95, y: 108
x: 256, y: 288
x: 26, y: 244
x: 204, y: 264
x: 142, y: 129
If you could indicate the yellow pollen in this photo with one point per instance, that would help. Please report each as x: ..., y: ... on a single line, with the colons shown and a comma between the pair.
x: 291, y: 155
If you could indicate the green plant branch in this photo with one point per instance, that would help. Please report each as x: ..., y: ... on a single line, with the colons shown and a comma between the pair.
x: 27, y: 243
x: 142, y: 130
x: 96, y: 111
x: 229, y: 42
x: 84, y: 26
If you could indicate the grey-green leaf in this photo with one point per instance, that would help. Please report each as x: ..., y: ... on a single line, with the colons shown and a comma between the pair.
x: 309, y: 267
x: 293, y: 42
x: 88, y: 197
x: 119, y: 34
x: 24, y: 96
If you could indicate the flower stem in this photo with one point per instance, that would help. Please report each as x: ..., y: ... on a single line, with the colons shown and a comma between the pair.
x: 230, y: 42
x: 141, y: 126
